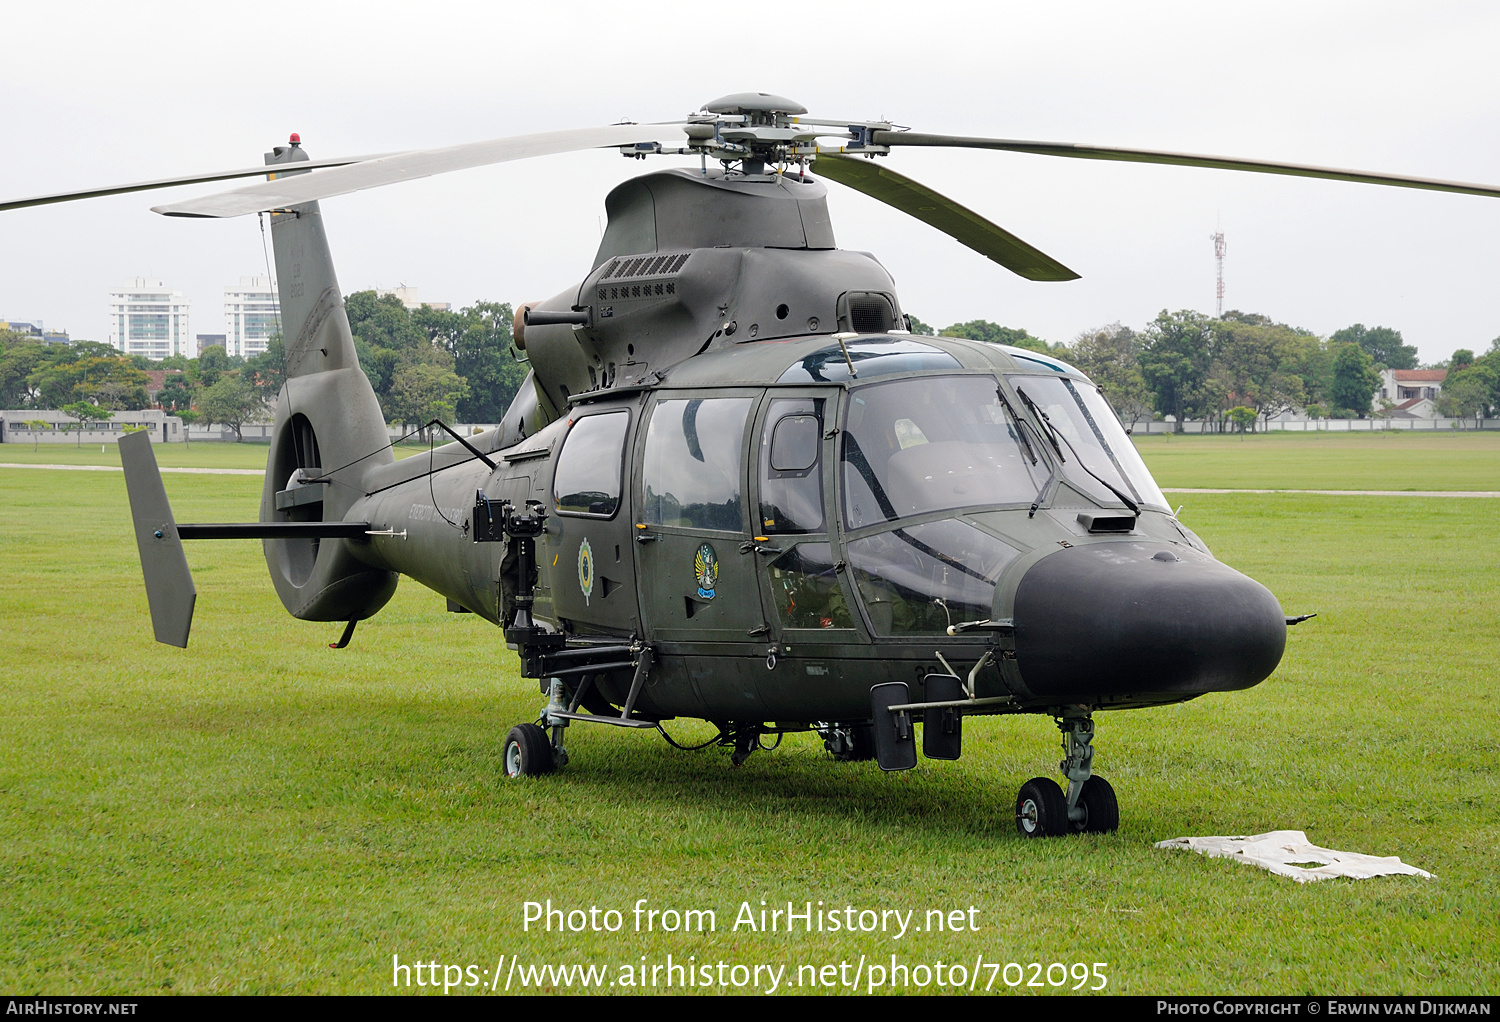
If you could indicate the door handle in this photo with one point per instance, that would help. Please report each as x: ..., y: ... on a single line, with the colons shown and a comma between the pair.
x: 751, y: 544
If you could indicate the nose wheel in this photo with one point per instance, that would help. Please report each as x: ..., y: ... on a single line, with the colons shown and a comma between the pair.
x: 1089, y: 806
x: 528, y: 752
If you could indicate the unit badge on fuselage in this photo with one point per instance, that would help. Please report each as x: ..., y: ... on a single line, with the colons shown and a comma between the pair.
x: 586, y: 570
x: 706, y: 567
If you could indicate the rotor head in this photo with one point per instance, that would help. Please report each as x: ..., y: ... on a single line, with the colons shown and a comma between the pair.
x: 763, y: 104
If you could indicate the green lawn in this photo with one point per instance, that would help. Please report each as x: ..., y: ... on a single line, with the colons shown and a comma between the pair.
x: 198, y: 455
x: 1324, y: 461
x: 260, y: 813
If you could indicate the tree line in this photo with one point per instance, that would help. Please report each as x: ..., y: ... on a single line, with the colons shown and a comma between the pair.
x: 1245, y: 367
x: 423, y: 364
x: 429, y: 364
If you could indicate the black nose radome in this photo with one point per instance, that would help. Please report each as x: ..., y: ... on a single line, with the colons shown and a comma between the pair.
x: 1118, y: 621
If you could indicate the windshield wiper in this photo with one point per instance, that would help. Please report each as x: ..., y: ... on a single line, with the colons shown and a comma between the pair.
x: 1017, y: 422
x: 1051, y: 429
x: 1026, y: 424
x: 855, y: 456
x: 1056, y: 434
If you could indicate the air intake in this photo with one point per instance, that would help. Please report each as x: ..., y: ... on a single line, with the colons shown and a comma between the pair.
x: 866, y: 312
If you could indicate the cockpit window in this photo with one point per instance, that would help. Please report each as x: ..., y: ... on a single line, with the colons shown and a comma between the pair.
x: 871, y: 357
x: 791, y: 483
x: 1081, y: 414
x: 933, y: 443
x: 923, y: 578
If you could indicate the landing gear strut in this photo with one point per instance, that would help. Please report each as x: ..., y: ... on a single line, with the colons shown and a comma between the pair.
x: 533, y: 750
x: 849, y: 743
x: 1090, y: 807
x: 746, y: 741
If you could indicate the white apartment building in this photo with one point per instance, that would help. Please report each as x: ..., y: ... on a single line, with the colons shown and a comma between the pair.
x: 408, y: 297
x: 148, y: 318
x: 252, y: 313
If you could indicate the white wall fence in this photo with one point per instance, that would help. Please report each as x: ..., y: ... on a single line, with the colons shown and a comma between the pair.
x: 50, y: 426
x: 260, y: 433
x: 1376, y: 425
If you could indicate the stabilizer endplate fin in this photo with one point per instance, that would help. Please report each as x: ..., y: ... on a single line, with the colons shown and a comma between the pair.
x: 169, y: 583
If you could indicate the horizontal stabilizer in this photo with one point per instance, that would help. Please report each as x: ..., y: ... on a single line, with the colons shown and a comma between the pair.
x: 169, y: 584
x: 275, y: 530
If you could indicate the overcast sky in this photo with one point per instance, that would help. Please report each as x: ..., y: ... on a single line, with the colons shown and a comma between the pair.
x: 97, y: 93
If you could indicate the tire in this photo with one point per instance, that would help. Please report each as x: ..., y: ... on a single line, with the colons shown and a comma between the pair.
x: 1101, y: 808
x: 528, y: 752
x: 1041, y: 810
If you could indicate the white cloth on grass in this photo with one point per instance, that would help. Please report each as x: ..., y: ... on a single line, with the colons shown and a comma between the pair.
x: 1288, y: 853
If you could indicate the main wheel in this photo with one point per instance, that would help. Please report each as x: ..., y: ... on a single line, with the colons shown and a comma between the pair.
x: 1100, y: 807
x: 528, y: 752
x: 1041, y: 810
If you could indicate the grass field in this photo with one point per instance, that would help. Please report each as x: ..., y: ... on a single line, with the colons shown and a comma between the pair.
x: 259, y: 813
x: 1327, y: 461
x: 199, y: 455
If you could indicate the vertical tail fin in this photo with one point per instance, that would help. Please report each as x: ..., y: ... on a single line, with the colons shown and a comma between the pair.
x: 169, y: 583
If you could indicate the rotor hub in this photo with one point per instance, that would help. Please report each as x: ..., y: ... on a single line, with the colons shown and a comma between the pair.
x: 756, y: 129
x: 757, y: 107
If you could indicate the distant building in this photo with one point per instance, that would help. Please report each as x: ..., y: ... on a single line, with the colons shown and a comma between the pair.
x: 36, y: 330
x: 156, y: 379
x: 252, y: 313
x: 209, y: 341
x: 148, y: 318
x: 1413, y: 391
x: 408, y: 296
x: 16, y: 427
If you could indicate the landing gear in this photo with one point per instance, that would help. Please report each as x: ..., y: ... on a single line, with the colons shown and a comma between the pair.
x: 850, y: 743
x: 1041, y: 810
x: 528, y: 752
x: 746, y: 741
x: 1089, y: 806
x: 556, y: 703
x: 1101, y: 812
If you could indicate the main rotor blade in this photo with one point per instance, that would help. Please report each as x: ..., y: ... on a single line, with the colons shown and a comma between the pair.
x: 409, y: 166
x: 1093, y: 152
x: 168, y: 182
x: 958, y: 222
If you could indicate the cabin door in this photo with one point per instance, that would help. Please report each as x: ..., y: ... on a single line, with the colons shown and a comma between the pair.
x: 694, y: 555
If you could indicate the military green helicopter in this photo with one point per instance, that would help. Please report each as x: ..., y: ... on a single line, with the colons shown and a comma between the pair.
x: 735, y: 487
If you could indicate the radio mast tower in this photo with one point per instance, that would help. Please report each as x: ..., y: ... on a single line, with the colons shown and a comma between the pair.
x: 1218, y: 240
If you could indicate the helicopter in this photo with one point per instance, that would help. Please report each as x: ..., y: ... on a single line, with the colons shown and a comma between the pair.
x: 735, y: 486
